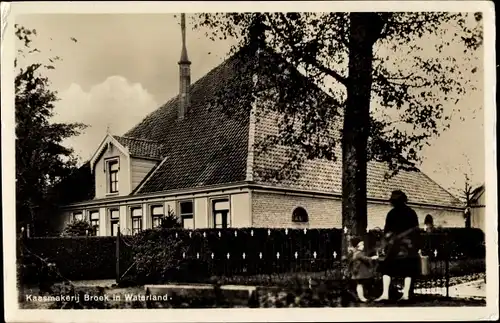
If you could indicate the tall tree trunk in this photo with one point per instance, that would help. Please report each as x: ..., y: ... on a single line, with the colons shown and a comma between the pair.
x: 365, y: 29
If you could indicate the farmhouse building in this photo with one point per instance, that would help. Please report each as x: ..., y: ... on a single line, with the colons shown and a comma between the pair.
x: 201, y: 164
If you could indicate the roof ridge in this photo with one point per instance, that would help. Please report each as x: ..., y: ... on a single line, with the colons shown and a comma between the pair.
x: 139, y: 139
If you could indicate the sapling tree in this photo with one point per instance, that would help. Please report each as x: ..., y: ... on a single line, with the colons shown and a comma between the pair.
x: 465, y: 186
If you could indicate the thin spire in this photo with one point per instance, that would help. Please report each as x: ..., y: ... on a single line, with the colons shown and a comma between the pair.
x: 184, y: 55
x: 184, y: 73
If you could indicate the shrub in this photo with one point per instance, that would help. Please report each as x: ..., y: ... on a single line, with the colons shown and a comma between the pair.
x: 161, y: 257
x: 78, y: 228
x: 170, y: 221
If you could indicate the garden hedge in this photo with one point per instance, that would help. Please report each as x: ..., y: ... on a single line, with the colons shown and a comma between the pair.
x: 75, y: 257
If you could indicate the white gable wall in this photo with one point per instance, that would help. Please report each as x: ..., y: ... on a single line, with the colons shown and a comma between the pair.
x: 101, y: 175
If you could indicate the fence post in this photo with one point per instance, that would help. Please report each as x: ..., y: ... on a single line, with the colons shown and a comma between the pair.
x: 346, y: 235
x: 20, y: 266
x: 21, y: 242
x: 118, y: 255
x: 447, y: 264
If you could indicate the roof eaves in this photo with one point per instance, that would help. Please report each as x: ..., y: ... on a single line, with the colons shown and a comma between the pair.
x: 455, y: 199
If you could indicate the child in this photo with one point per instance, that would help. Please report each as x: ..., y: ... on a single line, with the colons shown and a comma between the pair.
x: 361, y: 266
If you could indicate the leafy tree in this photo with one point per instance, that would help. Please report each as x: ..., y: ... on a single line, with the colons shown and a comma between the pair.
x: 41, y: 159
x: 387, y: 86
x: 78, y: 229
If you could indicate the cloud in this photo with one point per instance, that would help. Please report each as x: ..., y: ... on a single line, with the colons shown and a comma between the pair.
x: 116, y: 103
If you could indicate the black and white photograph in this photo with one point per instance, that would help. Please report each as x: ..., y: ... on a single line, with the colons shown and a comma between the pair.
x: 264, y: 160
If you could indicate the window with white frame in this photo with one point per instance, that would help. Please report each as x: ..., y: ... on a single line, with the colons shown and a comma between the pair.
x: 186, y: 214
x: 157, y: 213
x: 78, y: 216
x: 112, y: 168
x: 114, y: 220
x: 221, y: 214
x: 94, y: 221
x: 136, y: 214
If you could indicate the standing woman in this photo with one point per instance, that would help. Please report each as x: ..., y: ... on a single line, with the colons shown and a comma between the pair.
x: 401, y: 232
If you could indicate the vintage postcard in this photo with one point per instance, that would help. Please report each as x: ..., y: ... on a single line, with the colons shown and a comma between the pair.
x: 249, y: 161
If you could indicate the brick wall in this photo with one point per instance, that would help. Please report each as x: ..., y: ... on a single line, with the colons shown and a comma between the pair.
x: 274, y: 210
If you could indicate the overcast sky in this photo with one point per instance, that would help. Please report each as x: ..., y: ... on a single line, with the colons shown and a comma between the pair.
x: 122, y: 67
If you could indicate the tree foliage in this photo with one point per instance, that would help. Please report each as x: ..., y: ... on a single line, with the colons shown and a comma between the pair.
x: 170, y: 221
x: 413, y: 79
x: 78, y: 229
x: 41, y: 159
x: 385, y: 86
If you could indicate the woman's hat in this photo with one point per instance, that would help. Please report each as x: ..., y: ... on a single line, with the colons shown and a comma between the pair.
x: 398, y: 197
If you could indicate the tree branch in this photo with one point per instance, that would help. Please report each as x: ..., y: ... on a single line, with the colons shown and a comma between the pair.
x: 309, y: 60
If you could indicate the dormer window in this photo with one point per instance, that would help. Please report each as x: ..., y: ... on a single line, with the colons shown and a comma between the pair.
x: 112, y: 167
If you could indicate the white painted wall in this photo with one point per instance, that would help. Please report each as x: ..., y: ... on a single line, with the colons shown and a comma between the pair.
x: 103, y: 223
x: 241, y: 211
x: 101, y: 176
x: 125, y: 221
x: 201, y: 210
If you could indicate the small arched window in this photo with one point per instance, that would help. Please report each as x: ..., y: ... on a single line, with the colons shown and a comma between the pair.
x: 429, y: 220
x: 300, y: 215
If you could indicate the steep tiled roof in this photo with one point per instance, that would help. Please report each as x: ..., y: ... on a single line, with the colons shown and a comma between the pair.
x: 206, y: 147
x: 141, y: 147
x: 418, y: 186
x: 326, y: 176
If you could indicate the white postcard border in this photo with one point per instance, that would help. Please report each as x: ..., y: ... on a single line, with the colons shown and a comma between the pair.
x: 13, y: 314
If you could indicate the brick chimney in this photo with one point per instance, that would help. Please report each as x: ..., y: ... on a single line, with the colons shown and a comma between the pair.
x: 184, y: 73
